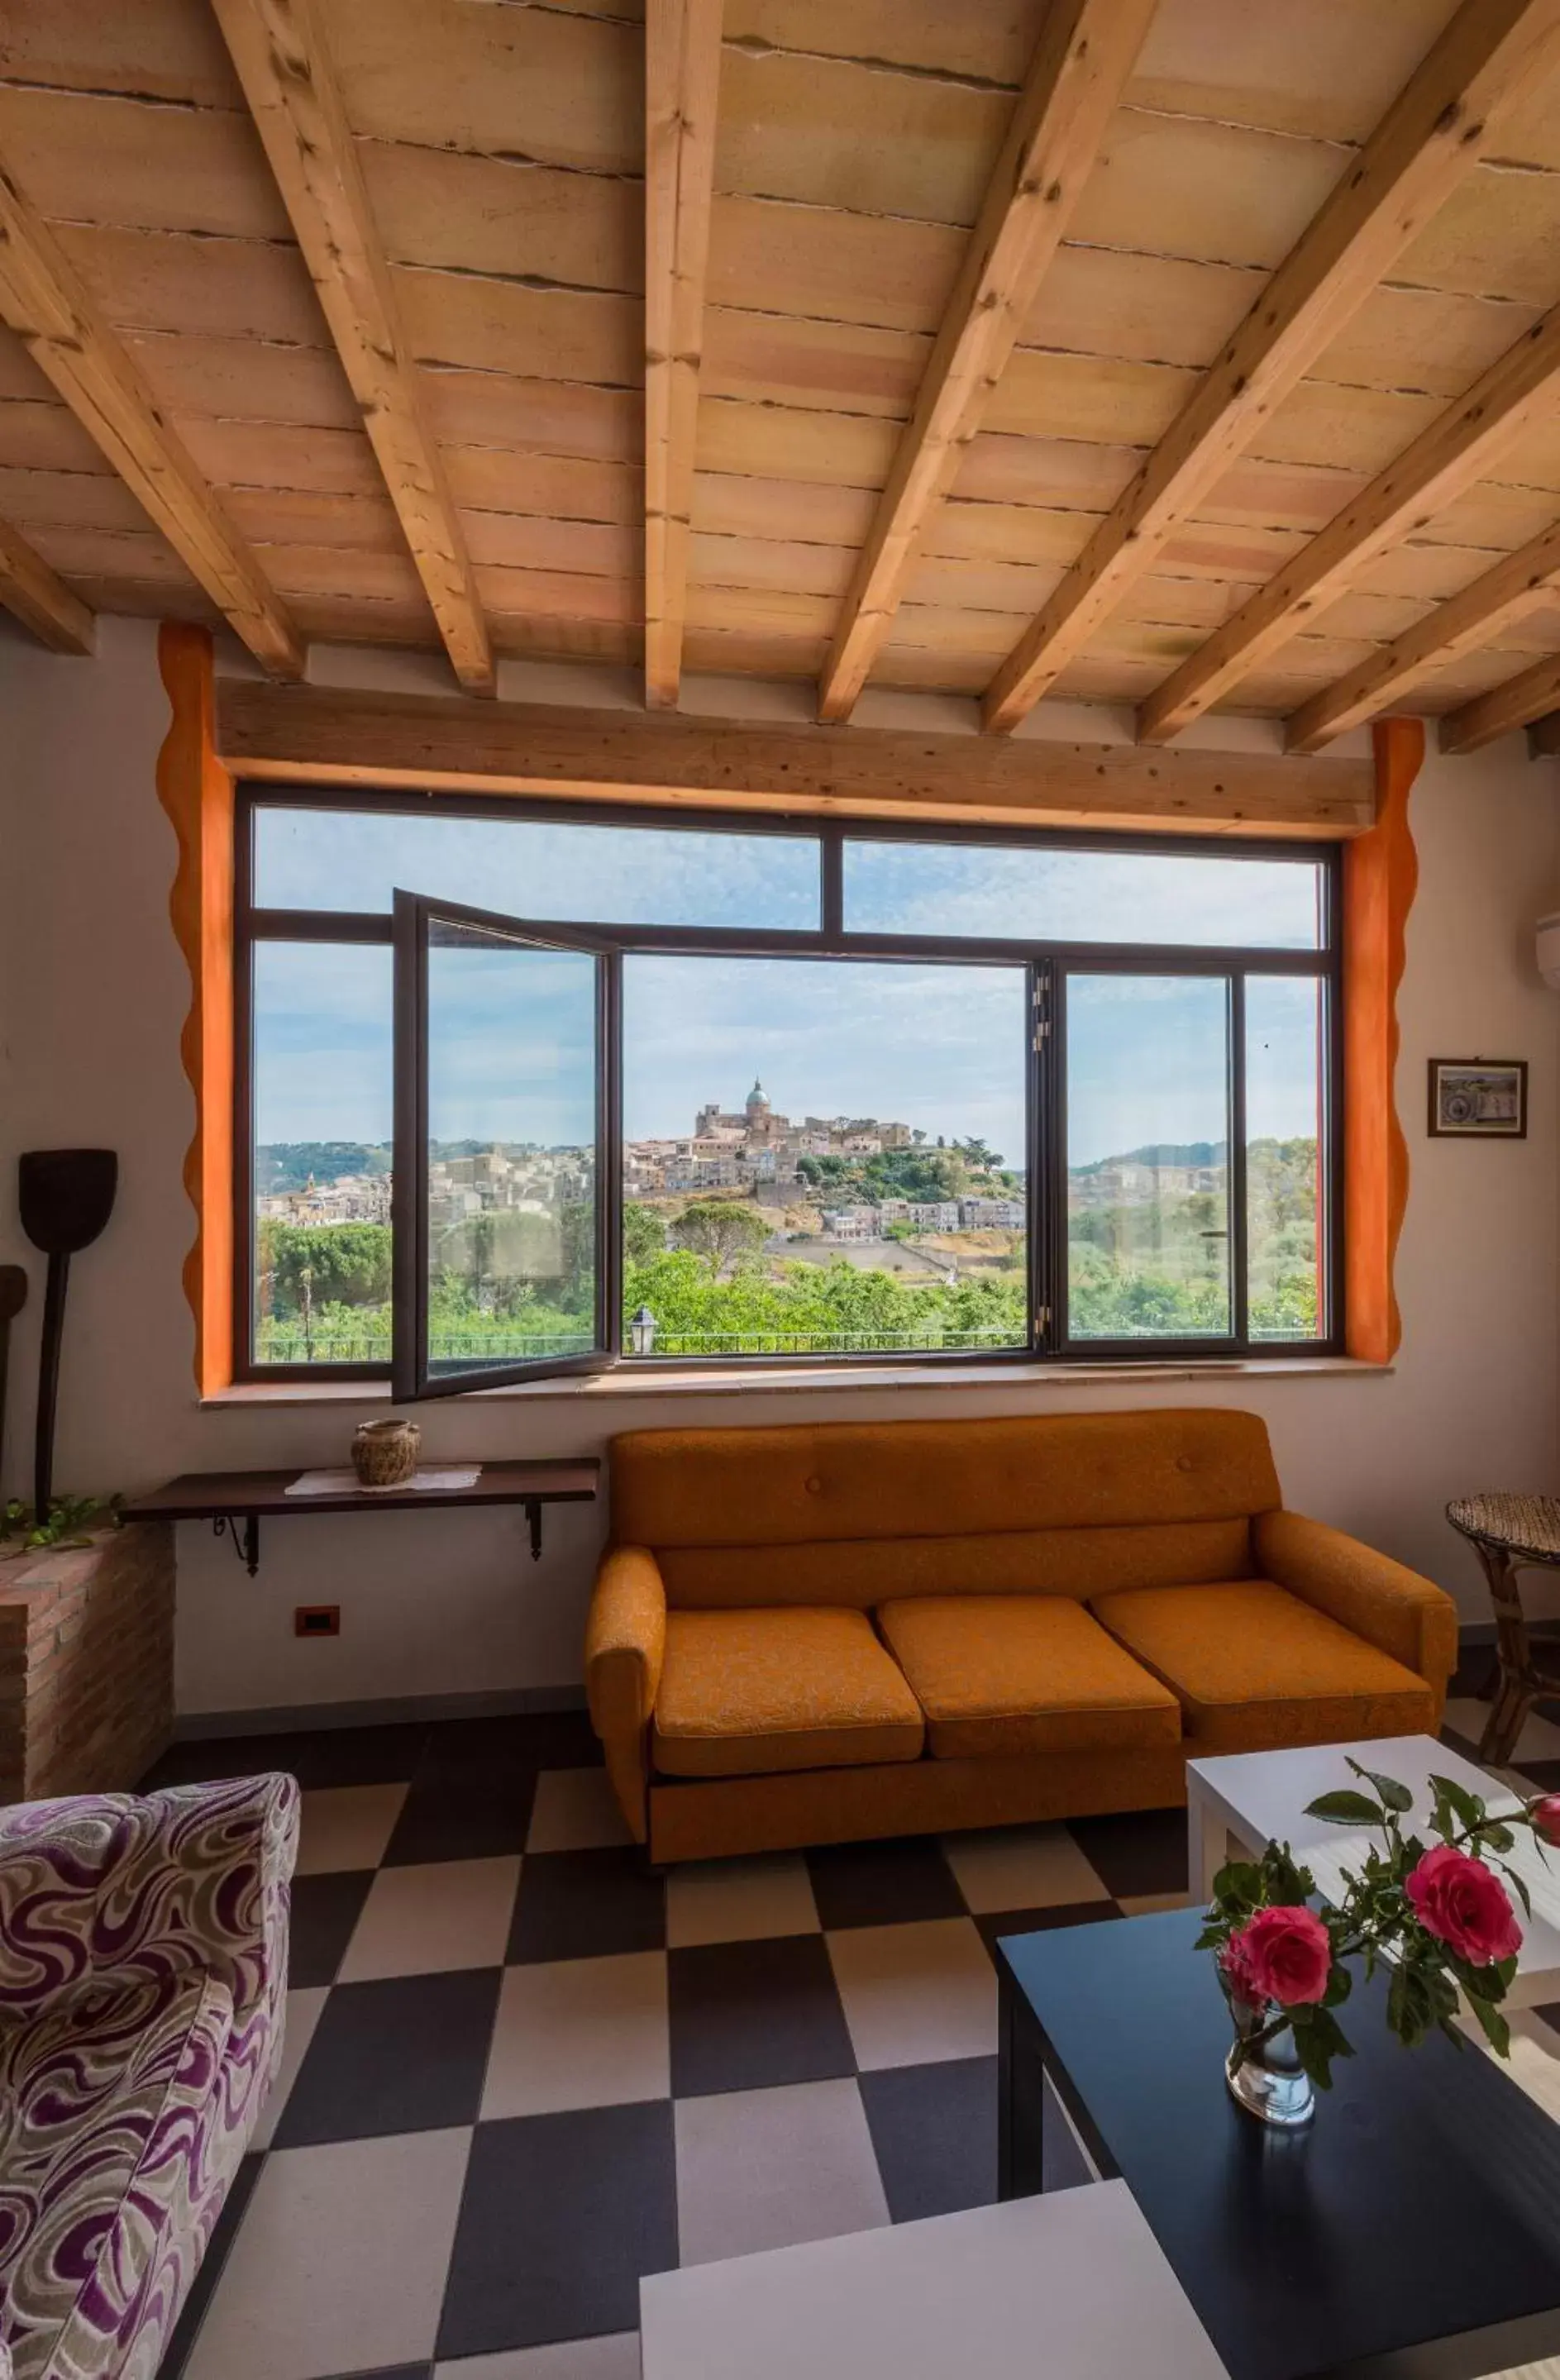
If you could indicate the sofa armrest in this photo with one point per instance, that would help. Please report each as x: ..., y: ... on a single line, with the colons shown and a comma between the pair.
x: 1390, y: 1606
x: 107, y: 1884
x: 624, y: 1644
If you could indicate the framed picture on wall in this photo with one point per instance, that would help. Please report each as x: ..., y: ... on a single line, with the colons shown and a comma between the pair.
x: 1478, y: 1099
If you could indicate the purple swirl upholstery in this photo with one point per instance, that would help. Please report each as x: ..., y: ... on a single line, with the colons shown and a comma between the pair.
x: 142, y: 1979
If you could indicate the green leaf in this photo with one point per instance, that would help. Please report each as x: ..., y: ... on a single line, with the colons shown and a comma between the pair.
x: 1344, y: 1808
x: 1519, y: 1887
x: 1467, y: 1806
x: 1340, y: 1983
x: 1498, y: 1837
x: 1481, y: 1983
x: 1240, y: 1882
x: 1497, y: 2032
x: 1395, y: 1796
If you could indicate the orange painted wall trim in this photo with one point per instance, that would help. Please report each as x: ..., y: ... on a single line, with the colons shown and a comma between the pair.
x: 197, y: 793
x: 1381, y: 876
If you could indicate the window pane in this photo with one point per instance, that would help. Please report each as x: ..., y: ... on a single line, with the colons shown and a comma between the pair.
x: 322, y: 1154
x: 1018, y: 893
x: 865, y: 1193
x: 618, y: 875
x: 511, y: 1151
x: 1147, y: 1148
x: 1285, y: 1135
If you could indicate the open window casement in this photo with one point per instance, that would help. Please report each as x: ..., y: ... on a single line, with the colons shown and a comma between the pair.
x: 506, y: 1245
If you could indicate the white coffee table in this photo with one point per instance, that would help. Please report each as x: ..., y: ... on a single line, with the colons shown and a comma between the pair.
x: 1253, y: 1798
x: 1073, y: 2285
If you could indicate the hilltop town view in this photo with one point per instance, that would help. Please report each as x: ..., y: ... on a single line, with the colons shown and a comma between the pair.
x: 758, y: 1233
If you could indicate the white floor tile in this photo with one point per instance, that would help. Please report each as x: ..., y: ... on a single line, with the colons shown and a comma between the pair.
x: 579, y: 2033
x: 1021, y: 1867
x: 303, y: 2016
x: 613, y: 2358
x: 574, y: 1810
x: 347, y: 1826
x: 739, y: 1900
x: 425, y: 1920
x: 915, y: 1993
x: 340, y: 2261
x: 1539, y: 1739
x: 767, y: 2168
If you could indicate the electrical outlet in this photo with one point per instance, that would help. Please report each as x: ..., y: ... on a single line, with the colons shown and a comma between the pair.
x: 317, y: 1620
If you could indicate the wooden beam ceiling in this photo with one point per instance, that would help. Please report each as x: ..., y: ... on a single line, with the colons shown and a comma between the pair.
x: 284, y: 64
x: 44, y: 302
x: 682, y: 88
x: 1441, y: 124
x: 1465, y: 621
x: 1081, y: 67
x: 1518, y: 390
x: 322, y: 735
x: 40, y: 599
x: 1518, y: 702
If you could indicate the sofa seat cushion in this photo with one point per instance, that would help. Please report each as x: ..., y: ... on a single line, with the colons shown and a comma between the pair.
x: 107, y: 2098
x: 1015, y: 1673
x: 1255, y: 1669
x: 745, y: 1693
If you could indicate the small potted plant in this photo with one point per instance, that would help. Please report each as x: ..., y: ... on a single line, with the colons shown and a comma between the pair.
x: 1438, y: 1914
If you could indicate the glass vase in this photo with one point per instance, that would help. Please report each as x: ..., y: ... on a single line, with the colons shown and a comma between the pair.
x: 1263, y: 2069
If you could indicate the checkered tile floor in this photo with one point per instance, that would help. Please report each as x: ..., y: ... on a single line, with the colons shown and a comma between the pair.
x: 521, y: 2070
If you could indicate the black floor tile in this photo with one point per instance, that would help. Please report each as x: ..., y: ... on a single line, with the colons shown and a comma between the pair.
x: 1135, y: 1851
x: 471, y: 1794
x: 560, y: 1739
x: 1550, y: 2012
x: 1543, y: 1775
x: 586, y: 1905
x: 325, y: 1911
x: 934, y: 2131
x: 748, y: 2015
x: 891, y: 1883
x: 996, y: 1923
x: 406, y: 2055
x: 318, y: 1756
x: 1476, y: 1669
x: 176, y: 2353
x: 560, y: 2218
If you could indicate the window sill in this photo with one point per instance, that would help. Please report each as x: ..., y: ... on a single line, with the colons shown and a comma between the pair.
x: 755, y: 1382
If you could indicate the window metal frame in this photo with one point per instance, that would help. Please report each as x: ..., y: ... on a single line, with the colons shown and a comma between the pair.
x: 1046, y: 964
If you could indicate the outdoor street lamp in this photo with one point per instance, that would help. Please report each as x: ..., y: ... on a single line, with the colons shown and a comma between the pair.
x: 642, y: 1332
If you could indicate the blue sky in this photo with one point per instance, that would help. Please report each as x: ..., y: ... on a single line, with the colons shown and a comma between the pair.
x: 939, y: 1047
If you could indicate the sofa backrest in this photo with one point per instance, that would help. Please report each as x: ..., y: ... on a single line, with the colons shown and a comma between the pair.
x: 858, y: 1513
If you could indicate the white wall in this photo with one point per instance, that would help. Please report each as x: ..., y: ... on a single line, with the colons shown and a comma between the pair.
x: 92, y: 995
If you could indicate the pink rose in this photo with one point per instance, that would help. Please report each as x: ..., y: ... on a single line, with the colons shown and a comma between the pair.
x: 1464, y: 1905
x: 1545, y: 1815
x: 1279, y: 1954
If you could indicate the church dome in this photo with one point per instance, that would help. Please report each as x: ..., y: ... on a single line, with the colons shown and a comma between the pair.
x: 757, y: 1103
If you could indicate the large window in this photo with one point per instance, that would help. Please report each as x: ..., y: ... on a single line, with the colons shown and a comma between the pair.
x: 537, y: 1089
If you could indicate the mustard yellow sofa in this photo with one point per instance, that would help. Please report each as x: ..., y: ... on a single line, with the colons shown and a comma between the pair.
x: 817, y: 1635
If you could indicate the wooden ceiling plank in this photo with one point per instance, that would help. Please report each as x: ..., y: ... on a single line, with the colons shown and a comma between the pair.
x: 39, y: 598
x: 1516, y: 702
x: 44, y: 300
x: 278, y: 48
x: 317, y: 734
x: 1082, y: 62
x: 1461, y: 624
x: 682, y: 88
x: 1456, y: 450
x: 1444, y: 118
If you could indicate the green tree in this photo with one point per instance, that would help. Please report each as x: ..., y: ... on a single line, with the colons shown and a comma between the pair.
x: 720, y: 1232
x: 346, y: 1263
x: 644, y: 1233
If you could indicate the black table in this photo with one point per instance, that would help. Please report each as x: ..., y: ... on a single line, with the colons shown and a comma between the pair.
x: 1411, y: 2232
x: 236, y: 1501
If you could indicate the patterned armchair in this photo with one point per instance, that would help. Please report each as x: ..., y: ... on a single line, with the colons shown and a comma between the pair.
x: 142, y: 1975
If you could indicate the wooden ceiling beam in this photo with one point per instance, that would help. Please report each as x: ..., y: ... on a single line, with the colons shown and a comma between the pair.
x: 1433, y: 135
x: 319, y: 735
x: 682, y: 89
x: 39, y: 598
x: 1465, y: 621
x: 284, y: 64
x: 1516, y: 702
x: 1461, y: 446
x: 1085, y: 55
x: 44, y: 302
